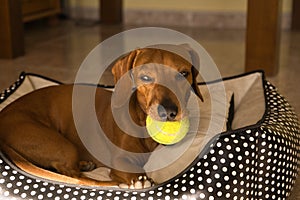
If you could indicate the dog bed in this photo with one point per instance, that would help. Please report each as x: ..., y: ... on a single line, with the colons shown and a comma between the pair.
x: 256, y: 157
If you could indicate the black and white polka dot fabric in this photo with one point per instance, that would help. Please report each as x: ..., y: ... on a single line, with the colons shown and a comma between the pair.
x: 256, y: 162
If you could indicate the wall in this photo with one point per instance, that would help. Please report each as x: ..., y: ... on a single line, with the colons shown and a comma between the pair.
x: 83, y: 9
x: 201, y: 13
x: 205, y: 13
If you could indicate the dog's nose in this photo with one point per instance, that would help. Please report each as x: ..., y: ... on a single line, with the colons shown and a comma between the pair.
x: 167, y: 113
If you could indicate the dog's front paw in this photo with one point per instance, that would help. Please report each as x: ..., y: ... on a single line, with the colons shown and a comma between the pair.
x: 140, y: 183
x: 87, y: 166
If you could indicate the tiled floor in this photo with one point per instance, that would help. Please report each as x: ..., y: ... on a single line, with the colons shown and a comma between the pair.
x: 58, y: 52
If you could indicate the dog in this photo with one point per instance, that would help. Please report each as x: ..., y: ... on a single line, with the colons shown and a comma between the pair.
x: 40, y: 126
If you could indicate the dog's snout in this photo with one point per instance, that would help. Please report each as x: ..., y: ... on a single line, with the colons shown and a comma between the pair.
x: 167, y: 113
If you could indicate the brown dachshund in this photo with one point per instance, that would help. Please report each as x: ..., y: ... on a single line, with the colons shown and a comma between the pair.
x: 40, y: 125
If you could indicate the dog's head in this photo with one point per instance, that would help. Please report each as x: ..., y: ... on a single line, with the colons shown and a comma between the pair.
x: 162, y: 81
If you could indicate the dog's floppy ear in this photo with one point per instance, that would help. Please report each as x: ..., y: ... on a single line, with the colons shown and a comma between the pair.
x: 123, y: 65
x: 195, y: 85
x: 196, y: 63
x: 124, y: 84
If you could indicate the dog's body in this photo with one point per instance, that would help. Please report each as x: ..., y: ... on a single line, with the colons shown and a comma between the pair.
x: 40, y: 125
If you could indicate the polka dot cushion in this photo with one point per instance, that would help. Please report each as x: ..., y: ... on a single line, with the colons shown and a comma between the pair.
x: 254, y: 162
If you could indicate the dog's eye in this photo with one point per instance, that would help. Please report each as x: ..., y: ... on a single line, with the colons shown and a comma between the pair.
x: 182, y: 75
x: 146, y: 79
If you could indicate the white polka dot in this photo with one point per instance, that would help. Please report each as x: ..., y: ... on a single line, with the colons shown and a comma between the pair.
x: 226, y: 178
x: 52, y: 188
x: 222, y: 160
x: 215, y: 167
x: 217, y: 176
x: 16, y: 191
x: 6, y: 193
x: 59, y: 191
x: 4, y: 173
x: 202, y: 196
x: 228, y: 147
x: 234, y: 173
x: 201, y: 187
x: 184, y: 197
x: 26, y: 187
x: 23, y: 195
x: 9, y: 185
x: 167, y: 198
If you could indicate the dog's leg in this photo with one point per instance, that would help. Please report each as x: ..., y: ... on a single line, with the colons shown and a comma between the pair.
x: 28, y: 167
x: 42, y: 146
x: 87, y: 165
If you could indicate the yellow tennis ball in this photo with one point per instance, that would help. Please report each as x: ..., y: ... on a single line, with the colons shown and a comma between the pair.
x: 167, y: 132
